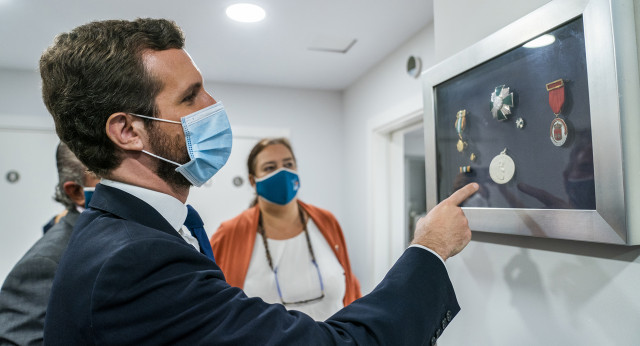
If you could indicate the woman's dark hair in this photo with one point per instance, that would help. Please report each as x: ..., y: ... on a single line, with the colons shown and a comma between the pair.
x: 257, y: 149
x: 96, y: 70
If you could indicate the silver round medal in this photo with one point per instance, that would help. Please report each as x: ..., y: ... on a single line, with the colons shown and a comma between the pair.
x: 558, y: 132
x: 502, y: 168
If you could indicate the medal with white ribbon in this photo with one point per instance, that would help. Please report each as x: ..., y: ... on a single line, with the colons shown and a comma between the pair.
x: 559, y: 131
x: 461, y: 122
x: 501, y: 103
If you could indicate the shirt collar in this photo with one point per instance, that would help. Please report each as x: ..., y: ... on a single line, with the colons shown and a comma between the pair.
x: 174, y: 211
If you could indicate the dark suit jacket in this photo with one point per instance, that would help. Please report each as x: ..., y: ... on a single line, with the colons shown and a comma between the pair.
x: 129, y: 278
x: 25, y: 292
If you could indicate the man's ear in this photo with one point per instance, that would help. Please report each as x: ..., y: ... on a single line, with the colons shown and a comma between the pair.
x: 126, y: 131
x: 74, y: 191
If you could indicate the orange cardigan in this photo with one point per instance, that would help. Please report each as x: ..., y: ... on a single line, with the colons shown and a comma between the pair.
x: 233, y: 245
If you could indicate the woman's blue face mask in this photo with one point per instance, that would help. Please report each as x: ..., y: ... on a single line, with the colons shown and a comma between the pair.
x: 209, y: 138
x: 279, y: 187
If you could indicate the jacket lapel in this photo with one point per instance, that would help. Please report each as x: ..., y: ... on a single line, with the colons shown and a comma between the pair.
x: 129, y: 207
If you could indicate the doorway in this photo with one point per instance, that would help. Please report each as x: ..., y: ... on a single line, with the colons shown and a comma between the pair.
x: 398, y: 186
x: 415, y: 199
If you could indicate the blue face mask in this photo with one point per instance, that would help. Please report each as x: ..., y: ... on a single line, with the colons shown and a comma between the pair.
x: 88, y: 193
x: 279, y: 187
x: 208, y: 136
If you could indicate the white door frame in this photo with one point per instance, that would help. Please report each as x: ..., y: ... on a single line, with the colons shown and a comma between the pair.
x: 386, y: 205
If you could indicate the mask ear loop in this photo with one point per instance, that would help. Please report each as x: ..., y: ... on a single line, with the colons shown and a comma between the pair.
x: 158, y: 119
x: 161, y: 158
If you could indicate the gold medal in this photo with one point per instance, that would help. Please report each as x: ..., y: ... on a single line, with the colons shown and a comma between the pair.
x: 461, y: 123
x: 461, y: 145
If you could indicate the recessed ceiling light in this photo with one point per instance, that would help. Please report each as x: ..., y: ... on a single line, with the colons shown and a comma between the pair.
x: 245, y: 13
x: 541, y: 41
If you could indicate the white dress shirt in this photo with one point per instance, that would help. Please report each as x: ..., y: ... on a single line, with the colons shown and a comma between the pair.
x: 174, y: 211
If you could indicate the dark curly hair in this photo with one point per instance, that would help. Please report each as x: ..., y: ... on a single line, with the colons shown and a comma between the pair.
x: 96, y: 70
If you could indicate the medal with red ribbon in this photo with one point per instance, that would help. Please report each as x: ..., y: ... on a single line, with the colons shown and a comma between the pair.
x: 558, y: 131
x: 556, y: 96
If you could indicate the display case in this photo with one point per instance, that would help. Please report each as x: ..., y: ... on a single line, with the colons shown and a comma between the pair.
x: 544, y: 116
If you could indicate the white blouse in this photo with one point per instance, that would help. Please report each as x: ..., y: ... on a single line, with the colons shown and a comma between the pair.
x: 297, y: 276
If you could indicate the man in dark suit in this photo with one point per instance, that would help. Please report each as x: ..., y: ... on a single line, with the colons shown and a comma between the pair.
x: 130, y: 103
x: 25, y: 292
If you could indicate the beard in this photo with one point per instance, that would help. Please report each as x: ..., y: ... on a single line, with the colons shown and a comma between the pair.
x: 174, y: 149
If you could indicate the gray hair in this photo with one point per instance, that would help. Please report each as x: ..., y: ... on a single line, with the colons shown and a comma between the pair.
x: 69, y: 169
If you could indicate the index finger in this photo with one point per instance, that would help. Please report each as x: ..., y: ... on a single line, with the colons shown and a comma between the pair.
x: 462, y: 194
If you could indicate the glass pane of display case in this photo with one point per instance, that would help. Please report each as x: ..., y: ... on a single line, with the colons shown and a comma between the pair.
x: 520, y: 126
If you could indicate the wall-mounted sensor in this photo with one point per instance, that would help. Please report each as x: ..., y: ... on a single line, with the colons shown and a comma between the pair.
x: 12, y: 176
x: 414, y: 66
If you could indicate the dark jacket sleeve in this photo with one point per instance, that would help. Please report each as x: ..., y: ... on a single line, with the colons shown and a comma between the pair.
x: 23, y: 301
x: 25, y: 292
x: 154, y: 292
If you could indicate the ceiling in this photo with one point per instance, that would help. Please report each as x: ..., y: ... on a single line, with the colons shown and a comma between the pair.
x: 273, y: 52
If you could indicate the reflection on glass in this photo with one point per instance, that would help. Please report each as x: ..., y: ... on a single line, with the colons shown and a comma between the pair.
x: 541, y: 41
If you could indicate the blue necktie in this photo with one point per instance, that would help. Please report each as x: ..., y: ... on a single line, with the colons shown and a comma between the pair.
x: 196, y: 227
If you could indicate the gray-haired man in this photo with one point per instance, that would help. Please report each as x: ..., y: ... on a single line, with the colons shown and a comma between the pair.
x: 25, y: 292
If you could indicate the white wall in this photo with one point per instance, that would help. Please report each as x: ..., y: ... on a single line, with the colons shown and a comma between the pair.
x: 385, y: 92
x: 314, y: 118
x: 20, y: 93
x: 456, y: 29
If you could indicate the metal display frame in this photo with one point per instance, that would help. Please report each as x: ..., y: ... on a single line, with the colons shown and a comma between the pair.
x: 610, y: 38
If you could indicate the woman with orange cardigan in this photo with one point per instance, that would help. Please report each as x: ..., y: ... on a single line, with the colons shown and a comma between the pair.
x: 281, y: 249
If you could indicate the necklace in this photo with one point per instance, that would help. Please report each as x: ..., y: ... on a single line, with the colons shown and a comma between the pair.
x: 275, y: 270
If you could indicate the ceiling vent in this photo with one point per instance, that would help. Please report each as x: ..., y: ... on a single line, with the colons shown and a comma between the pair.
x: 332, y: 44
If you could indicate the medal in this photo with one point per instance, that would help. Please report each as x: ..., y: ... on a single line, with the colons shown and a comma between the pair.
x: 502, y: 168
x: 465, y: 169
x: 461, y: 122
x: 520, y: 123
x: 501, y: 103
x: 559, y: 131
